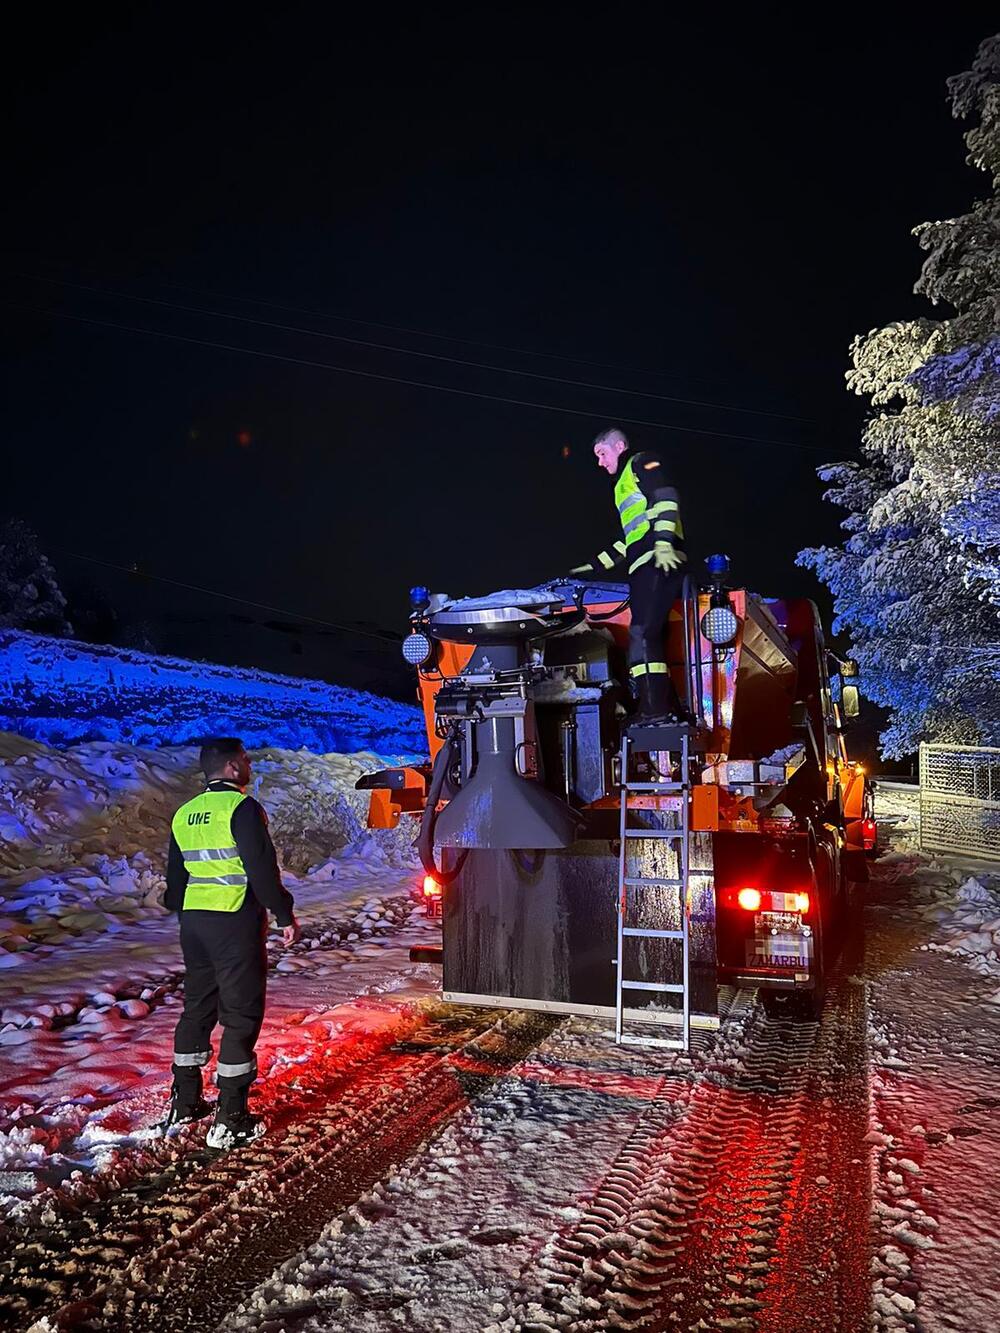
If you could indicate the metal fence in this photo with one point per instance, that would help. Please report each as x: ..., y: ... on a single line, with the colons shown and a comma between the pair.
x: 960, y: 800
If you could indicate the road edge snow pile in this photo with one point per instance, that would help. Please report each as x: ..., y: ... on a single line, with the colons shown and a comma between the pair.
x: 84, y: 831
x: 61, y: 691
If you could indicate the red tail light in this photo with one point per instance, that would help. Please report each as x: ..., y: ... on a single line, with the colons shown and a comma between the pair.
x: 432, y: 888
x: 869, y: 832
x: 770, y: 900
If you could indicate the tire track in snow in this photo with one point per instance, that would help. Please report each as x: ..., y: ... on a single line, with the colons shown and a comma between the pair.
x: 714, y: 1214
x: 183, y: 1248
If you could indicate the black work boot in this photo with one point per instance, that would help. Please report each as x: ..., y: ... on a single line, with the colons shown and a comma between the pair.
x: 658, y: 701
x: 233, y: 1124
x: 186, y: 1101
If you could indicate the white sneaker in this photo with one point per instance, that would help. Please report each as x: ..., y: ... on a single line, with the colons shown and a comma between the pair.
x: 234, y: 1130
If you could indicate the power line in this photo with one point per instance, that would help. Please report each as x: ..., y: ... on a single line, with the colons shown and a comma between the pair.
x: 408, y: 351
x: 413, y: 384
x: 451, y: 338
x: 228, y: 597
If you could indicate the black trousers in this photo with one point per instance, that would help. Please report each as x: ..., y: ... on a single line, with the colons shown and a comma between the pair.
x: 652, y: 594
x: 225, y: 961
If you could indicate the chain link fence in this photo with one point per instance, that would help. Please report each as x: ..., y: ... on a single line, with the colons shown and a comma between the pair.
x: 960, y: 800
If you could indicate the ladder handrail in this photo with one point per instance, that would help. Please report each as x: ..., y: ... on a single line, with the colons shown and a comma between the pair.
x: 685, y: 890
x: 622, y: 887
x: 692, y: 668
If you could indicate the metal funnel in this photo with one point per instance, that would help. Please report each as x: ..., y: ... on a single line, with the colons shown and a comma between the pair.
x: 500, y: 810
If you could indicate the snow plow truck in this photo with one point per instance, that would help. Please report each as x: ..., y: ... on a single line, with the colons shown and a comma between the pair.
x: 585, y: 863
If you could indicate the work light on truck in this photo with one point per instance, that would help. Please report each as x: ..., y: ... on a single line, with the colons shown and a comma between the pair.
x: 719, y: 625
x: 417, y: 648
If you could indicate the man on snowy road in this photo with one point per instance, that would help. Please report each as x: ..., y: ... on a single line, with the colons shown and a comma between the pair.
x: 222, y: 880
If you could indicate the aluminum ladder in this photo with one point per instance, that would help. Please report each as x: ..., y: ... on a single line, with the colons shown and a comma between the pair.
x: 645, y: 740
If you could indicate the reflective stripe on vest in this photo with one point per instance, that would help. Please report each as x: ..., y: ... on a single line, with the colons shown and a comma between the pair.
x: 631, y: 506
x: 217, y: 877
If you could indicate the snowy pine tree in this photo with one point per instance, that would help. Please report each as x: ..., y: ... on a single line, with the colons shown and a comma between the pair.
x: 916, y: 583
x: 29, y: 594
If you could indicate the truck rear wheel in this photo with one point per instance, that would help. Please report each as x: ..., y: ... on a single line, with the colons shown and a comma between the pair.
x: 795, y: 1006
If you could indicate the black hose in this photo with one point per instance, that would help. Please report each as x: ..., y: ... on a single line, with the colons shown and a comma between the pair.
x: 595, y: 618
x: 448, y: 754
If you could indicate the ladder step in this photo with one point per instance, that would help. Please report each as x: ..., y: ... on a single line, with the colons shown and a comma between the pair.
x: 655, y: 786
x: 654, y: 883
x: 672, y: 987
x: 636, y: 932
x: 667, y: 1043
x: 654, y: 833
x: 652, y: 1018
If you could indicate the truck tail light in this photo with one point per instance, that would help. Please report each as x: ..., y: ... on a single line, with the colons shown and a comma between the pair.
x: 869, y: 833
x: 769, y: 900
x: 432, y: 889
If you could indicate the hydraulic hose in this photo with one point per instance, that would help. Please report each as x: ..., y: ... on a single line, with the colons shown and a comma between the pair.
x: 595, y: 617
x: 446, y: 756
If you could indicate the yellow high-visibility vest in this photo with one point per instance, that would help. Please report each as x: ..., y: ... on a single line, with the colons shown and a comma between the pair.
x: 217, y: 877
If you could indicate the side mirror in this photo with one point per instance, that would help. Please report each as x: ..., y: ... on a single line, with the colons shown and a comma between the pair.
x: 832, y: 813
x: 801, y: 722
x: 850, y: 701
x: 799, y: 715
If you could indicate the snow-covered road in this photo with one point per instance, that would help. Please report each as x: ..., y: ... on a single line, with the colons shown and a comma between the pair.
x: 439, y: 1169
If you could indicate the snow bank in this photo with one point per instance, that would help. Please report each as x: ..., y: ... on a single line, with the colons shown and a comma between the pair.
x: 965, y: 909
x: 60, y: 691
x: 84, y: 830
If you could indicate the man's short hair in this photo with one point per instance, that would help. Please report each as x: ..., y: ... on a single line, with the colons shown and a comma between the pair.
x: 217, y: 753
x: 611, y: 436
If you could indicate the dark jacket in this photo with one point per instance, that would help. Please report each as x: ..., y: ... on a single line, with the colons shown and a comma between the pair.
x: 251, y: 838
x: 653, y: 479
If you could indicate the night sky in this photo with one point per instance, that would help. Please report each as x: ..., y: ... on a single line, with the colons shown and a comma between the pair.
x: 705, y: 210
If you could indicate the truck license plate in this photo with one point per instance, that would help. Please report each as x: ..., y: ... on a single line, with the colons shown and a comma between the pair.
x: 778, y: 941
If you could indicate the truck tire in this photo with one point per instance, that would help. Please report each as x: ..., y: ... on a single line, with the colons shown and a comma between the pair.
x: 794, y: 1006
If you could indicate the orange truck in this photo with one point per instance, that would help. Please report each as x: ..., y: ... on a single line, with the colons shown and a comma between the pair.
x: 584, y: 863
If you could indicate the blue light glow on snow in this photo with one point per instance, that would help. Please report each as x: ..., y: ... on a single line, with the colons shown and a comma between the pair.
x: 59, y: 691
x: 969, y: 373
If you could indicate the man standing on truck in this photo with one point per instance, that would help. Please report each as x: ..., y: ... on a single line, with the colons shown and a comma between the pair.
x: 222, y: 880
x: 652, y: 550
